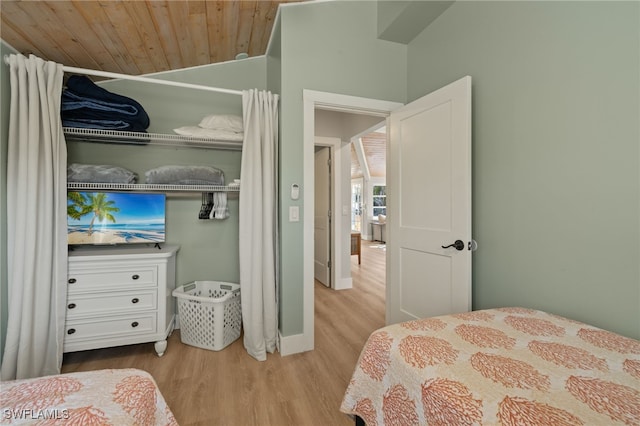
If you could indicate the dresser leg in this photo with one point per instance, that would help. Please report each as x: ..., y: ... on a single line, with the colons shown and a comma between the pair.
x: 160, y: 346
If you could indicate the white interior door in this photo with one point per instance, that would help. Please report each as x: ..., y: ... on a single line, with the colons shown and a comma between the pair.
x: 322, y: 217
x: 429, y: 204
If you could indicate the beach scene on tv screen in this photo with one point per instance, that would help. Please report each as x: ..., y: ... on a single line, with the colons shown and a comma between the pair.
x: 115, y: 218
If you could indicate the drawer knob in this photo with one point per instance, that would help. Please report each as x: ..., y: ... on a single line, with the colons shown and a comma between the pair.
x: 135, y: 277
x: 135, y: 300
x: 71, y: 305
x: 134, y: 324
x: 72, y: 280
x: 71, y: 331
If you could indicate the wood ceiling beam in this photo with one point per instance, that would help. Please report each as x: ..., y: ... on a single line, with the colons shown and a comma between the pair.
x: 362, y: 159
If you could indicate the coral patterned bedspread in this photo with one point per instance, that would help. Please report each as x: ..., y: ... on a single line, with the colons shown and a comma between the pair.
x: 103, y: 397
x: 508, y: 366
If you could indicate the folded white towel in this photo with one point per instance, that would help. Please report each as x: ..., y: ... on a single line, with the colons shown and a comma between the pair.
x: 217, y: 134
x: 223, y: 122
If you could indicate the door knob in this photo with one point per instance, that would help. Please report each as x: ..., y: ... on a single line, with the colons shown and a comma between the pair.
x: 458, y: 245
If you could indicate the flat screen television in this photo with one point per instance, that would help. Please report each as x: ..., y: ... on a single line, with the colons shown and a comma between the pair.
x: 111, y: 217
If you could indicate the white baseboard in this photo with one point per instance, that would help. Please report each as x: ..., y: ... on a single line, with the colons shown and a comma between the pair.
x: 344, y: 284
x: 287, y: 345
x: 295, y: 344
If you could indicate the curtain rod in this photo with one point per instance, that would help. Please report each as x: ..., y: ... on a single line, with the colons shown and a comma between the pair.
x: 107, y: 74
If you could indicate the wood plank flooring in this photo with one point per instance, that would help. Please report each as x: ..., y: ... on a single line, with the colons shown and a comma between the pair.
x: 228, y: 387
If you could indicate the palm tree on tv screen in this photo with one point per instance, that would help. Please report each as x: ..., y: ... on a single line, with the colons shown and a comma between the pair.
x: 76, y: 205
x: 96, y: 203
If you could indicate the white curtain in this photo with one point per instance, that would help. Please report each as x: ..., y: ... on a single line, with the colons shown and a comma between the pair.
x: 258, y: 223
x: 36, y: 221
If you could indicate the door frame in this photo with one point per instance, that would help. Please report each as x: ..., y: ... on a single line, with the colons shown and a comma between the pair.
x: 333, y: 144
x: 334, y: 102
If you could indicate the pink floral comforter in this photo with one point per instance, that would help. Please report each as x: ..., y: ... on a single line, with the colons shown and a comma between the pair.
x: 509, y: 366
x: 103, y: 397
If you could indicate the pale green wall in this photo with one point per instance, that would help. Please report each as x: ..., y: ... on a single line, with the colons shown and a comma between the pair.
x: 556, y: 161
x: 330, y: 47
x: 402, y: 20
x: 209, y: 248
x: 556, y: 172
x: 5, y: 99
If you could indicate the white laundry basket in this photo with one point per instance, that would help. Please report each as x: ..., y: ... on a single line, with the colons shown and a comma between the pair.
x: 210, y: 313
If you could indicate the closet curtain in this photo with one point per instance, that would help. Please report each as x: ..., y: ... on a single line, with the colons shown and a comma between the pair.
x: 258, y: 223
x: 36, y: 221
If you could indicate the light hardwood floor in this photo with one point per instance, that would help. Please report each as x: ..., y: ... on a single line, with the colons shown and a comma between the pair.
x: 228, y: 387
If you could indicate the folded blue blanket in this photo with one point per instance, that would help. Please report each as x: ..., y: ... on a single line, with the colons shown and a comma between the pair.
x: 87, y: 123
x: 84, y: 104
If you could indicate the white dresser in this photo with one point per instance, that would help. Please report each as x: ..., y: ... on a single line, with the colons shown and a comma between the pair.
x: 120, y: 296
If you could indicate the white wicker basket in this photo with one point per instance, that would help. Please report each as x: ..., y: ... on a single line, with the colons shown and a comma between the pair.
x: 210, y: 313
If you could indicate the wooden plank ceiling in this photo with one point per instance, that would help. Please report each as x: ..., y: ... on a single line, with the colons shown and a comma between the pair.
x: 138, y: 37
x: 147, y: 36
x: 374, y: 146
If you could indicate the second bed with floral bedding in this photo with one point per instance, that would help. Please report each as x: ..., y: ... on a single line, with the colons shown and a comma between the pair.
x: 508, y: 366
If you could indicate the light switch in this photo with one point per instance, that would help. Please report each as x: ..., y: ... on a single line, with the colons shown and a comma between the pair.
x: 294, y: 214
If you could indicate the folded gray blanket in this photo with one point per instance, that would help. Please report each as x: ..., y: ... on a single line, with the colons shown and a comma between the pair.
x: 185, y: 175
x: 103, y: 173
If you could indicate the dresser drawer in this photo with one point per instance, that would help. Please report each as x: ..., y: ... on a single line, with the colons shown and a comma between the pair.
x: 112, y: 278
x: 103, y: 328
x: 111, y: 303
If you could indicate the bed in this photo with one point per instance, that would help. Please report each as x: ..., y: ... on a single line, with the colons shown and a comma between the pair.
x: 103, y: 397
x: 508, y: 366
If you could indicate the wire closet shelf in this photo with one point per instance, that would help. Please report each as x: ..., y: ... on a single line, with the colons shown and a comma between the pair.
x: 143, y: 187
x: 138, y: 138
